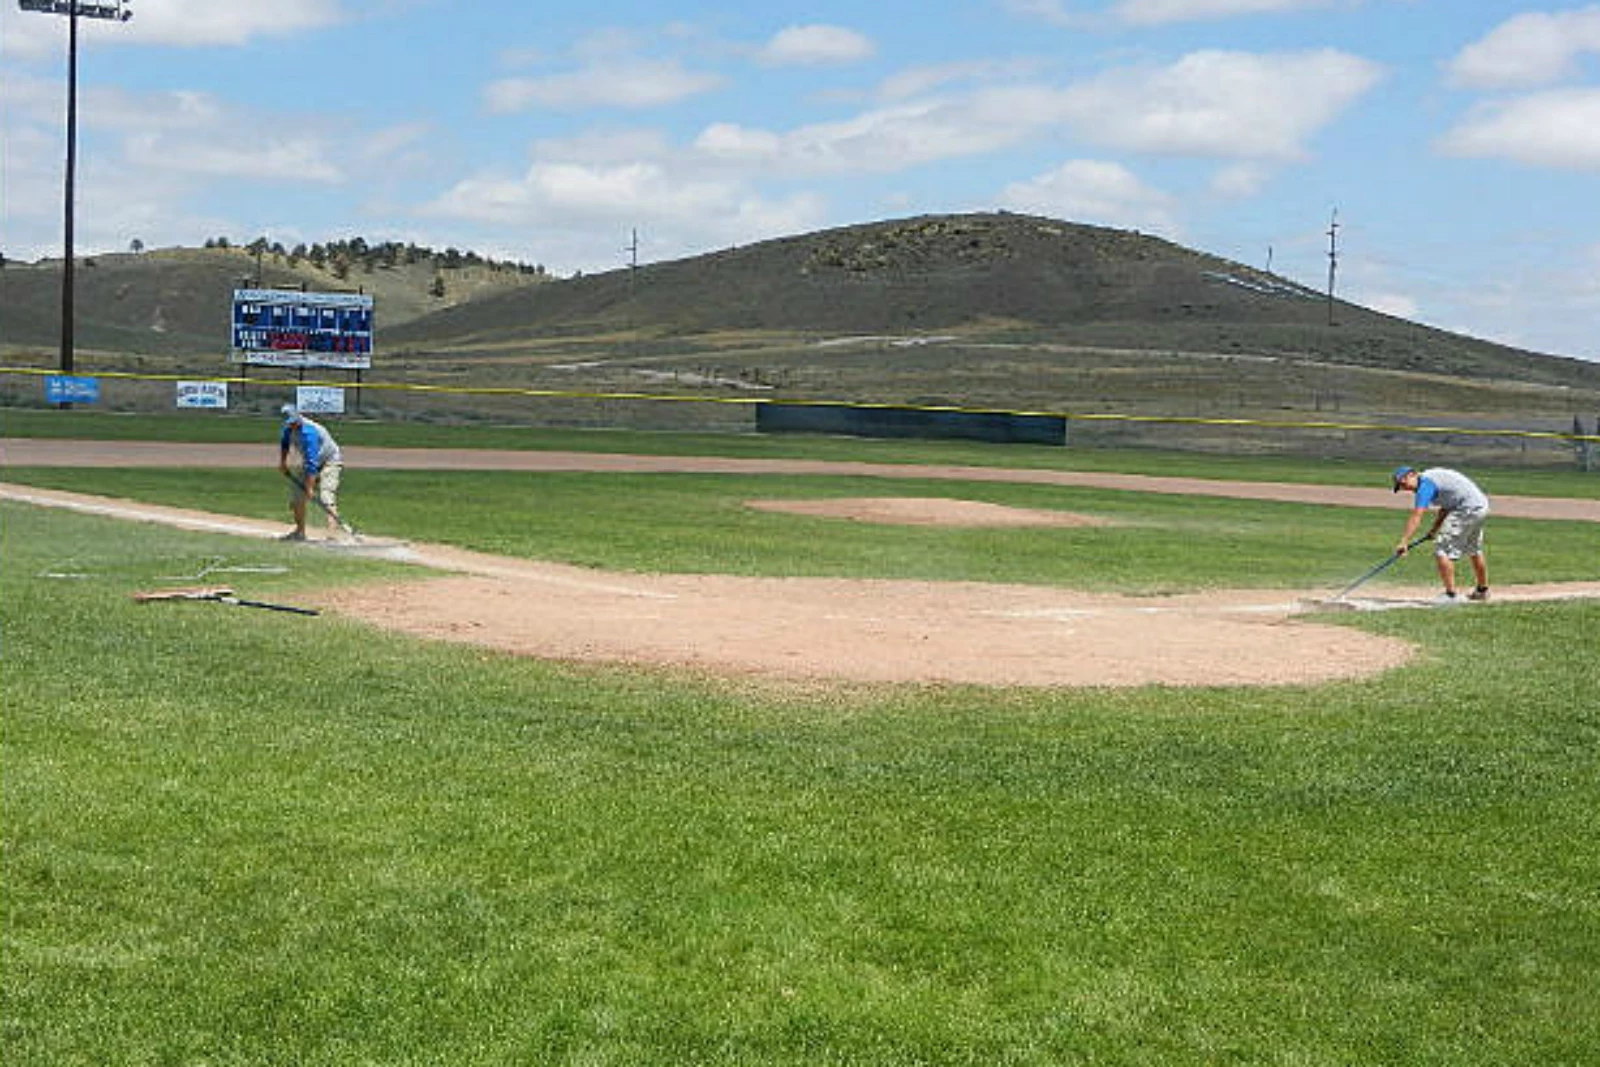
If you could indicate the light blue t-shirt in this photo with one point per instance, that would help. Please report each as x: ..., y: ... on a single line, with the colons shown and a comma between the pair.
x: 313, y: 442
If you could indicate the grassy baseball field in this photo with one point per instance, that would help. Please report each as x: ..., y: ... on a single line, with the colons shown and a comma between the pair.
x: 243, y: 837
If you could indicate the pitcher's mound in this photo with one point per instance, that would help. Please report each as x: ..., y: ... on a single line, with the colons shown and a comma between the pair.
x: 925, y: 511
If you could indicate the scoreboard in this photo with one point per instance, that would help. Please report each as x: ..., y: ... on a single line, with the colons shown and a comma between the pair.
x: 290, y: 328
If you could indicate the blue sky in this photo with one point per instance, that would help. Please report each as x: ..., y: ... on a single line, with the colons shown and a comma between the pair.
x: 1458, y: 140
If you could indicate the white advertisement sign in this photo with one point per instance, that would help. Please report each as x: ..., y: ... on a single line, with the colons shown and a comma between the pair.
x: 203, y: 395
x: 319, y: 399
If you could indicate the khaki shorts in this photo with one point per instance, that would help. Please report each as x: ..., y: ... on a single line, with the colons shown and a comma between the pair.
x: 1461, y: 534
x: 327, y: 485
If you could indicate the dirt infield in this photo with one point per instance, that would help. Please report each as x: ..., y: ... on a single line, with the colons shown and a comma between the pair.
x: 830, y: 629
x: 925, y: 511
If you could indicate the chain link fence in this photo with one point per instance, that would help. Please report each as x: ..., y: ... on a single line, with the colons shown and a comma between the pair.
x: 1549, y: 442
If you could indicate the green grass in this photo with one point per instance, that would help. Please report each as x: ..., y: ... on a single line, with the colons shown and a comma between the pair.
x: 239, y: 837
x: 213, y: 427
x: 690, y: 523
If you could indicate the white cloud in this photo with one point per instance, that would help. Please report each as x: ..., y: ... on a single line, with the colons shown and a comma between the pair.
x: 1559, y: 128
x: 1586, y: 280
x: 1159, y: 12
x: 629, y: 84
x: 188, y: 25
x: 276, y: 159
x: 883, y: 139
x: 181, y: 22
x: 1400, y: 305
x: 919, y: 81
x: 1094, y: 191
x: 559, y: 188
x: 816, y: 44
x: 1536, y: 48
x: 1531, y: 306
x: 1054, y: 12
x: 1221, y: 104
x: 609, y: 42
x: 193, y: 133
x: 604, y: 147
x: 405, y: 139
x: 678, y: 210
x: 734, y: 143
x: 1240, y: 181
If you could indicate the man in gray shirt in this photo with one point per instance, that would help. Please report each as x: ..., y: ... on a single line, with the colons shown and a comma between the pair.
x: 1457, y: 528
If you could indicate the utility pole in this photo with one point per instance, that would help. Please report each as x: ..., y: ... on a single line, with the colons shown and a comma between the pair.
x: 1333, y: 258
x: 113, y: 11
x: 633, y: 273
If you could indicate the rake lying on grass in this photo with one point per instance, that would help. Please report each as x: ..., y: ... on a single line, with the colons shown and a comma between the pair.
x: 219, y: 593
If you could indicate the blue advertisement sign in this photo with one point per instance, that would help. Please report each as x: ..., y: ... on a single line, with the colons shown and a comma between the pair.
x: 67, y: 389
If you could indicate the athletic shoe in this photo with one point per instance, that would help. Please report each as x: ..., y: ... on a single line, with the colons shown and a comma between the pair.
x: 1446, y: 599
x: 293, y: 535
x: 1481, y: 593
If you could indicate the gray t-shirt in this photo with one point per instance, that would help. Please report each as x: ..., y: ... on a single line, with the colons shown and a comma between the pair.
x: 1450, y: 491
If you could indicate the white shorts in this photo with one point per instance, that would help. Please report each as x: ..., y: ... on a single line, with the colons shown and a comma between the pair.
x: 327, y: 485
x: 1461, y: 534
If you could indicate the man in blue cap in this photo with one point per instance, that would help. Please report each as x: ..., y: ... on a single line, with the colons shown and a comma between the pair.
x: 1457, y: 528
x: 310, y: 456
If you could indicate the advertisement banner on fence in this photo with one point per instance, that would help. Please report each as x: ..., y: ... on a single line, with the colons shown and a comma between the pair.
x: 68, y: 389
x: 319, y: 399
x: 203, y: 395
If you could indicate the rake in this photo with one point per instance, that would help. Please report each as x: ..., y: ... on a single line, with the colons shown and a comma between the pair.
x: 220, y: 594
x: 1375, y: 571
x: 349, y: 530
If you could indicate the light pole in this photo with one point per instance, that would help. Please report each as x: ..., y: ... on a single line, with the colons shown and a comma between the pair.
x: 114, y: 11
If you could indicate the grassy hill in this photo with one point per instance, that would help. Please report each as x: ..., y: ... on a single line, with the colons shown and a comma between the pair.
x: 981, y: 310
x: 991, y: 310
x: 176, y: 301
x: 1001, y: 276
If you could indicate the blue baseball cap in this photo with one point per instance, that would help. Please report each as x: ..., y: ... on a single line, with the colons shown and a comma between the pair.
x: 1399, y: 473
x: 291, y: 414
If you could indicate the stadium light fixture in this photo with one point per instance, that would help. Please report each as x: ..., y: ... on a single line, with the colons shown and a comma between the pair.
x: 115, y: 11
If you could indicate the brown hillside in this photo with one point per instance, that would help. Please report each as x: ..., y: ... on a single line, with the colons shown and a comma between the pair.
x: 176, y: 301
x: 1001, y: 277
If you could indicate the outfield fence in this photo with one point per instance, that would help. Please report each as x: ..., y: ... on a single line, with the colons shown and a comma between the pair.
x: 1549, y: 442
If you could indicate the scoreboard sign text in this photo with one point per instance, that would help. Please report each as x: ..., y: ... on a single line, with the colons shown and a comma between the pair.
x: 289, y: 328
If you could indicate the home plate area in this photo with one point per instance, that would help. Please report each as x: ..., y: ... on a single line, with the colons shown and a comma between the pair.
x: 876, y: 631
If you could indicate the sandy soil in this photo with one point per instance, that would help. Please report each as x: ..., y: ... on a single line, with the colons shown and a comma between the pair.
x: 838, y: 630
x: 924, y: 511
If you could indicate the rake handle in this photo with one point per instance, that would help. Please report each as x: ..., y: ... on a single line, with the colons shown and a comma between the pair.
x: 1380, y: 568
x: 334, y: 515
